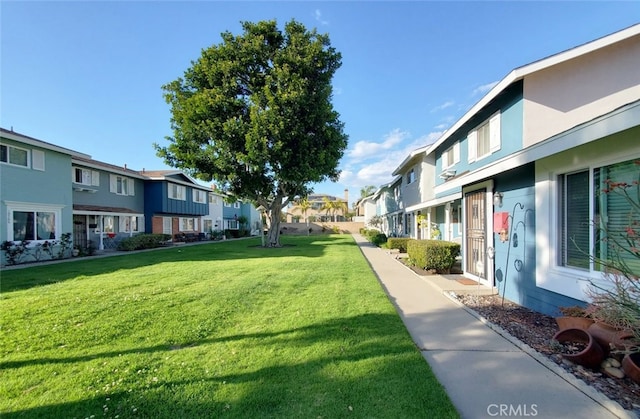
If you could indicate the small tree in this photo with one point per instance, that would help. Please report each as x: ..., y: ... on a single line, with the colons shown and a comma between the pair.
x: 254, y: 113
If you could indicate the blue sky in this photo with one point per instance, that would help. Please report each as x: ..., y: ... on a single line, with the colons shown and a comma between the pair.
x: 88, y: 75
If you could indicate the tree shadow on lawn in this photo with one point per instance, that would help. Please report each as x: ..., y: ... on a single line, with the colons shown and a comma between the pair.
x: 325, y: 385
x: 38, y: 275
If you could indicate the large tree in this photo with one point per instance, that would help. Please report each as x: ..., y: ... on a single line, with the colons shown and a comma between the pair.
x: 254, y: 114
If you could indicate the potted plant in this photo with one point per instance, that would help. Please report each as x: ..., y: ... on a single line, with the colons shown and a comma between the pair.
x: 76, y: 251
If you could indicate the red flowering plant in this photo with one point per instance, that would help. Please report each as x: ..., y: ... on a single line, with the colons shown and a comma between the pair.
x: 617, y: 301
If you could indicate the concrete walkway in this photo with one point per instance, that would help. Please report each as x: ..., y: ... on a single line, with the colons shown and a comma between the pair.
x: 486, y: 372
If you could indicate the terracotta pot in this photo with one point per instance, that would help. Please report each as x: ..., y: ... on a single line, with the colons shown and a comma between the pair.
x: 631, y: 366
x: 608, y: 337
x: 591, y: 356
x: 571, y: 322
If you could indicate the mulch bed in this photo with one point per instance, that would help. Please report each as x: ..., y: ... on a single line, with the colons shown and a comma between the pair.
x: 537, y: 330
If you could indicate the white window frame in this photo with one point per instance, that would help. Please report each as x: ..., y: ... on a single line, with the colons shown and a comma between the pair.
x: 121, y: 185
x: 494, y: 138
x: 188, y: 224
x: 199, y: 196
x: 236, y: 204
x: 37, y: 160
x: 88, y: 177
x: 177, y: 192
x: 451, y: 156
x: 411, y: 176
x: 13, y: 206
x: 232, y: 224
x: 128, y: 223
x: 8, y: 155
x: 591, y: 270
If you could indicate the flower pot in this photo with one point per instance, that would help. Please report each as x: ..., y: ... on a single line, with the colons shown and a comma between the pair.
x: 591, y: 356
x: 608, y: 337
x: 631, y: 366
x: 571, y: 322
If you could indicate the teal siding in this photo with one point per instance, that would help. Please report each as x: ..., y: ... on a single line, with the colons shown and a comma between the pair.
x: 51, y: 186
x: 515, y: 259
x: 103, y: 197
x: 510, y: 105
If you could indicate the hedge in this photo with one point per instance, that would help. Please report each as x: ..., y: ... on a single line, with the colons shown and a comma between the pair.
x: 143, y: 241
x: 435, y: 255
x: 398, y: 243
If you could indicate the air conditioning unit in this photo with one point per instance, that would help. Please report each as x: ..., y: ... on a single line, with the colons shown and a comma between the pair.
x: 447, y: 174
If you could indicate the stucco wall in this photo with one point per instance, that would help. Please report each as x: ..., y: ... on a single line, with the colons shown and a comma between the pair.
x: 565, y: 95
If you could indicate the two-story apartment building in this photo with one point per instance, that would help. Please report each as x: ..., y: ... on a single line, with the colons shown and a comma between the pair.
x: 520, y: 177
x: 36, y: 194
x: 108, y: 203
x: 174, y: 203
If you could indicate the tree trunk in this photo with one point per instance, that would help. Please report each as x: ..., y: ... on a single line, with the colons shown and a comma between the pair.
x: 273, y: 236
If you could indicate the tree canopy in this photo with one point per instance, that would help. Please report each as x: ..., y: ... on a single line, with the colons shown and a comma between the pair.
x: 254, y: 114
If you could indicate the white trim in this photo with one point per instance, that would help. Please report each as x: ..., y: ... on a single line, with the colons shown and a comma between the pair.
x: 490, y: 268
x: 521, y: 72
x: 434, y: 202
x: 37, y: 160
x: 37, y: 143
x: 12, y: 206
x: 572, y: 282
x: 616, y: 121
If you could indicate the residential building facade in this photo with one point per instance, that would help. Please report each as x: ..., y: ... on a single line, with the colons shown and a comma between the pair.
x: 37, y: 198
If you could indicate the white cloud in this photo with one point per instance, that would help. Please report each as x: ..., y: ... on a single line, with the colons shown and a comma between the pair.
x: 318, y: 15
x: 390, y: 153
x: 445, y: 105
x: 481, y: 90
x: 364, y: 149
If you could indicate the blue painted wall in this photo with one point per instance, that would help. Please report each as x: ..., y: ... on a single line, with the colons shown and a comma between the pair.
x: 515, y: 259
x: 510, y: 104
x: 103, y: 197
x: 51, y: 186
x: 157, y: 202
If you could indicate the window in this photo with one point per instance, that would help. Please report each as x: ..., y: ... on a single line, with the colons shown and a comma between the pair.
x: 213, y: 199
x: 177, y: 192
x: 207, y: 225
x: 108, y: 224
x: 26, y: 221
x: 236, y: 204
x: 485, y: 139
x: 14, y: 155
x: 451, y: 156
x: 583, y: 227
x: 232, y: 224
x: 199, y: 196
x: 28, y: 225
x: 411, y: 176
x: 575, y: 219
x: 86, y: 176
x: 128, y: 224
x: 188, y: 224
x: 121, y: 185
x: 227, y: 204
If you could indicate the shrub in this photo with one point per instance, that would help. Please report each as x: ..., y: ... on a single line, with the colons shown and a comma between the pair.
x: 398, y: 243
x: 378, y: 238
x: 143, y: 241
x: 435, y: 255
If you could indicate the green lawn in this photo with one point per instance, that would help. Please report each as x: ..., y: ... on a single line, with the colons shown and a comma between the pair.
x: 223, y: 329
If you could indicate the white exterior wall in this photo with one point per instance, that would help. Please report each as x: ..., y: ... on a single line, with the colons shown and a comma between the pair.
x: 576, y: 91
